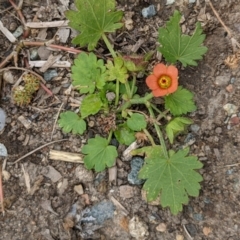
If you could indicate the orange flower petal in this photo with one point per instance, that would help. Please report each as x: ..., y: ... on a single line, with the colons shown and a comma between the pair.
x: 159, y: 92
x: 172, y: 72
x: 151, y: 82
x: 159, y: 70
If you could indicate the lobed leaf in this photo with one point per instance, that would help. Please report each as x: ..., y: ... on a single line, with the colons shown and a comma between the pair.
x: 180, y: 102
x: 136, y: 122
x: 71, y: 122
x: 124, y: 135
x: 88, y: 73
x: 92, y: 19
x: 176, y: 46
x: 98, y: 154
x: 91, y: 105
x: 172, y: 178
x: 176, y: 126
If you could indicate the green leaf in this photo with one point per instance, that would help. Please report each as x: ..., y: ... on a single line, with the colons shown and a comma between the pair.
x: 136, y: 122
x: 92, y: 19
x: 117, y: 71
x: 88, y: 73
x: 179, y: 47
x: 173, y: 179
x: 124, y: 135
x: 71, y: 122
x: 98, y: 154
x: 180, y: 102
x: 91, y: 105
x: 176, y: 126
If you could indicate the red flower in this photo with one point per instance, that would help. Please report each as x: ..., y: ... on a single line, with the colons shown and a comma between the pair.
x: 163, y: 81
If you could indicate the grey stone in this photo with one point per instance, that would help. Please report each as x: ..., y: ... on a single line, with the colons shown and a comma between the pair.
x: 49, y: 74
x: 222, y: 80
x: 98, y: 213
x: 149, y: 11
x: 2, y: 119
x: 136, y: 165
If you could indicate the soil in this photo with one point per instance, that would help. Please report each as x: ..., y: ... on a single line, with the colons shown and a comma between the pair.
x: 43, y: 212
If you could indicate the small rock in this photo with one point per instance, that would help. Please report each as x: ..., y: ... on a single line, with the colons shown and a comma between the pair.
x: 8, y: 77
x: 232, y: 80
x: 137, y: 229
x: 79, y: 189
x: 218, y: 130
x: 33, y: 54
x: 53, y: 174
x: 222, y: 80
x: 62, y: 186
x: 161, y: 227
x: 2, y: 119
x: 110, y: 96
x: 191, y: 229
x: 18, y: 32
x: 170, y: 2
x: 126, y: 191
x: 207, y: 231
x: 136, y: 165
x: 230, y: 108
x: 43, y: 53
x: 49, y: 74
x: 179, y: 237
x: 83, y: 174
x: 3, y: 151
x: 195, y: 128
x: 234, y: 121
x: 189, y: 140
x: 63, y: 34
x: 198, y: 216
x: 98, y: 213
x: 149, y: 11
x: 229, y: 88
x: 129, y: 24
x: 25, y: 122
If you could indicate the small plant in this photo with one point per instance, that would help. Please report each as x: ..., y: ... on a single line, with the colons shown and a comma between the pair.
x: 22, y: 95
x: 169, y: 173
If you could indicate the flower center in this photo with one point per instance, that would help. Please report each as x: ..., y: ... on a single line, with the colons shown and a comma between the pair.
x: 164, y: 81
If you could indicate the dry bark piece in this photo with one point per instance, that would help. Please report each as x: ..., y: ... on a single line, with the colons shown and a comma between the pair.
x: 65, y: 156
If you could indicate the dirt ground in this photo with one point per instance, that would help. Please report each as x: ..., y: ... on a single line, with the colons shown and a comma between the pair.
x: 44, y: 212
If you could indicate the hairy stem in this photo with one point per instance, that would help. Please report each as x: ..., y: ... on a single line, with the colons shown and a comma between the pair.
x: 117, y: 93
x: 150, y: 138
x: 109, y: 45
x: 158, y: 130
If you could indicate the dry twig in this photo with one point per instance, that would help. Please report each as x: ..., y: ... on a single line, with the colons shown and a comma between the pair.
x: 35, y: 150
x: 1, y: 191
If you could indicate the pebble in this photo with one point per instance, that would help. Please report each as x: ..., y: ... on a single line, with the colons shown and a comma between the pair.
x: 53, y: 174
x: 78, y: 189
x: 18, y: 32
x: 218, y: 130
x: 137, y: 229
x: 230, y: 108
x: 234, y: 121
x: 149, y: 11
x: 49, y: 74
x: 3, y: 150
x: 198, y: 216
x: 43, y: 53
x: 179, y: 237
x: 62, y: 186
x: 222, y: 80
x: 229, y: 88
x: 98, y: 213
x: 162, y: 227
x: 126, y: 191
x: 33, y: 54
x: 25, y: 122
x: 136, y: 165
x: 195, y: 128
x: 2, y: 119
x: 8, y: 77
x: 191, y: 229
x: 83, y: 174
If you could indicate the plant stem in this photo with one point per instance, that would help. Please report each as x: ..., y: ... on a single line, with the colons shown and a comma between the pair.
x: 161, y: 114
x: 109, y: 45
x: 110, y: 136
x: 158, y: 130
x: 133, y: 85
x: 150, y: 138
x: 117, y: 92
x: 128, y: 89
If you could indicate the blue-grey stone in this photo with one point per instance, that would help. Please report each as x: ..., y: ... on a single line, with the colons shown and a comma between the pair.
x: 98, y: 213
x: 49, y: 74
x: 2, y: 119
x: 136, y: 165
x: 149, y: 11
x: 198, y: 216
x: 18, y: 32
x: 192, y: 230
x: 3, y: 151
x: 195, y: 128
